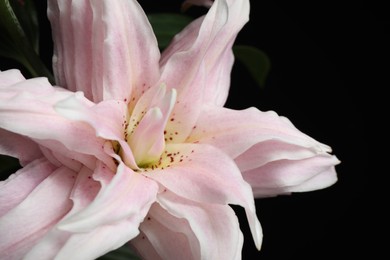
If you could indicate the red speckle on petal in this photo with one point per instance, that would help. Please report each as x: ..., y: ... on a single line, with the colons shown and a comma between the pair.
x: 172, y: 119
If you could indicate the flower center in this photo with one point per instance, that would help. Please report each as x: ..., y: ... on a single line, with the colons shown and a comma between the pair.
x: 145, y: 134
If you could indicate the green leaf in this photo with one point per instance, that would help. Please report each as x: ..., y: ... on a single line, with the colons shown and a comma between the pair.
x: 27, y: 16
x: 255, y: 60
x: 15, y: 44
x: 167, y: 25
x: 122, y: 253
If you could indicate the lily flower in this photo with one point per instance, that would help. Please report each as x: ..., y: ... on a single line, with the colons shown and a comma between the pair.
x: 134, y: 146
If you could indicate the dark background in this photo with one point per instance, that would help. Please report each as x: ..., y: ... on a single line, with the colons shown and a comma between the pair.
x: 324, y: 63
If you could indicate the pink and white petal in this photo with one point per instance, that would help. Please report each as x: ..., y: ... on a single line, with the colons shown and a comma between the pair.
x: 67, y: 159
x: 204, y: 174
x: 270, y: 151
x: 18, y: 146
x: 144, y: 248
x: 185, y: 70
x: 10, y: 77
x: 20, y: 184
x: 59, y: 155
x: 218, y: 80
x: 83, y: 193
x: 286, y: 176
x: 106, y: 54
x: 319, y: 181
x: 188, y: 103
x: 59, y: 244
x: 234, y: 132
x: 128, y: 49
x: 171, y: 237
x: 48, y: 246
x: 111, y: 204
x: 182, y: 42
x: 27, y: 109
x: 210, y: 40
x: 25, y: 224
x: 203, y: 47
x: 215, y: 226
x: 36, y: 86
x: 100, y: 191
x: 99, y: 241
x: 60, y: 16
x: 108, y: 119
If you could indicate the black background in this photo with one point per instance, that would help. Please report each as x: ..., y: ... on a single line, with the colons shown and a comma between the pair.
x: 324, y: 63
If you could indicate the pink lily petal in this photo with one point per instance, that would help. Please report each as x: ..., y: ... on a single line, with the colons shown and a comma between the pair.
x: 215, y: 226
x: 106, y: 49
x: 171, y: 237
x: 144, y: 248
x: 237, y: 131
x: 60, y: 155
x: 111, y: 203
x: 108, y: 119
x: 63, y: 157
x: 38, y: 120
x: 59, y: 244
x: 189, y: 171
x: 19, y: 146
x: 112, y: 114
x: 197, y: 51
x: 262, y: 143
x: 19, y: 185
x: 100, y: 211
x: 218, y: 77
x: 100, y: 241
x: 209, y: 41
x: 27, y: 222
x: 272, y: 150
x: 83, y: 193
x: 88, y: 193
x: 10, y: 77
x: 285, y: 176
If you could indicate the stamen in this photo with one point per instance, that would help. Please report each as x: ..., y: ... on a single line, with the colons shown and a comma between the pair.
x: 147, y: 139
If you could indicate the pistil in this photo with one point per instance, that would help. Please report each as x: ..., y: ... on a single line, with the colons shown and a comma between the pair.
x: 146, y: 137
